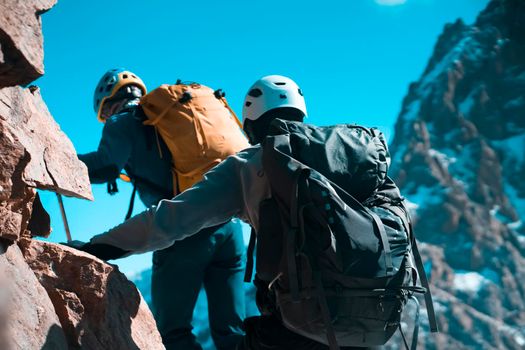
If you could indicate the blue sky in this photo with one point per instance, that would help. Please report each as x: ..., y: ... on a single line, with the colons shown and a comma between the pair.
x: 354, y: 60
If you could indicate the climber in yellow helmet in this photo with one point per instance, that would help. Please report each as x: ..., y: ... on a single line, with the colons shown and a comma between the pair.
x: 336, y: 256
x: 213, y: 258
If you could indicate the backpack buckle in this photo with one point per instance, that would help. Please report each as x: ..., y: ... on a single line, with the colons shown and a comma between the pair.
x: 219, y: 94
x: 186, y: 96
x: 380, y: 306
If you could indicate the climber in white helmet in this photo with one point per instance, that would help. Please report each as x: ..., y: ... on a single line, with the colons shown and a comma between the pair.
x: 271, y: 97
x: 250, y: 185
x: 220, y: 194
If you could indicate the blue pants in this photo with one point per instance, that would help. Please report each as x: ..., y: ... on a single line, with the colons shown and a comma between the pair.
x: 214, y: 258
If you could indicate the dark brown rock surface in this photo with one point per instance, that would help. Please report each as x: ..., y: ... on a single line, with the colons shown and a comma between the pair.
x: 21, y: 41
x: 97, y: 306
x: 27, y: 316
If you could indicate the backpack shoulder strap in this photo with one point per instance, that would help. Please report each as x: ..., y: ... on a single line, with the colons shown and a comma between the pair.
x: 249, y: 255
x: 384, y: 241
x: 131, y: 202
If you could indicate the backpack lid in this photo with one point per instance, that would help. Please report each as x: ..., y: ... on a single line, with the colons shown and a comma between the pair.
x: 355, y: 158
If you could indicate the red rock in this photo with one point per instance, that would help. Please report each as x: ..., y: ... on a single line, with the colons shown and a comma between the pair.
x: 15, y: 196
x: 35, y: 153
x: 21, y: 41
x: 97, y: 306
x: 53, y: 163
x: 27, y: 316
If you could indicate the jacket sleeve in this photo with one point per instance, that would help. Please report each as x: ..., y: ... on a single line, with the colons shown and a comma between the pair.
x: 114, y: 150
x: 214, y: 200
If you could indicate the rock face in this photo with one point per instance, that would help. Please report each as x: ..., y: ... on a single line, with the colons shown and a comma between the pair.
x: 15, y: 197
x: 97, y: 306
x: 51, y: 297
x: 27, y: 315
x: 458, y: 156
x: 35, y: 154
x: 53, y: 163
x: 21, y: 41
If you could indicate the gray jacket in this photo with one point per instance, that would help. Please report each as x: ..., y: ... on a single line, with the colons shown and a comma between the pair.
x: 233, y: 188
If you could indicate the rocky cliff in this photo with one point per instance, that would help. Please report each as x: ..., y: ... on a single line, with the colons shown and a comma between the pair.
x: 51, y: 296
x: 458, y: 157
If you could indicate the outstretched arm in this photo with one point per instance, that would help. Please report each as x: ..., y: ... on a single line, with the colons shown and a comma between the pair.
x: 212, y: 201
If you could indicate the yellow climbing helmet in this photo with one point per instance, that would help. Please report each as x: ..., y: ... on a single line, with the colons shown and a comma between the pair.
x: 110, y: 83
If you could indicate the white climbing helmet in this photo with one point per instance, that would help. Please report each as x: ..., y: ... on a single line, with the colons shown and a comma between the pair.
x: 272, y: 91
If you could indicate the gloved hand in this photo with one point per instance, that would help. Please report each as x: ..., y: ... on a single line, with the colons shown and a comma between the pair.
x: 102, y: 251
x: 74, y: 244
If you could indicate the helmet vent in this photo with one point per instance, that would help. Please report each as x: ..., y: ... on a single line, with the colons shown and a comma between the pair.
x: 125, y: 76
x: 108, y: 88
x: 248, y: 104
x: 255, y: 93
x: 300, y: 92
x: 283, y: 96
x: 280, y: 83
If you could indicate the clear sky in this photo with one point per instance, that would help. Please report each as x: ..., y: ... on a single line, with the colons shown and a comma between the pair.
x: 353, y: 60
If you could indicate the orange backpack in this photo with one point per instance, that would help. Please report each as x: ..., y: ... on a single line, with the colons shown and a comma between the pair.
x: 198, y: 126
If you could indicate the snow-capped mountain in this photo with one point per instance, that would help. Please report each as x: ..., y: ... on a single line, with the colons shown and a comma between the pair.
x: 458, y: 156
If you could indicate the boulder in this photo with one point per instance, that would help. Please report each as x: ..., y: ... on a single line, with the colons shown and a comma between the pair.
x: 98, y: 307
x: 15, y: 197
x: 53, y: 163
x: 21, y: 41
x: 27, y: 316
x: 35, y: 154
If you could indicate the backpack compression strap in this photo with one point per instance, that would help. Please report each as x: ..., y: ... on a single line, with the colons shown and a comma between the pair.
x: 384, y: 241
x: 419, y: 266
x: 325, y: 311
x: 292, y: 234
x: 424, y: 281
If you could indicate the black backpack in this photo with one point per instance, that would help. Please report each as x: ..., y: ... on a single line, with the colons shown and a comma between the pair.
x: 336, y: 256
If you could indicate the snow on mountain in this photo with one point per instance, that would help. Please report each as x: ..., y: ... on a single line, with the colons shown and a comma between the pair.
x: 458, y: 156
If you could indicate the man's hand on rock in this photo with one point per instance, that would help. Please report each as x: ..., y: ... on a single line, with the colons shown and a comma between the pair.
x: 74, y: 244
x: 102, y: 251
